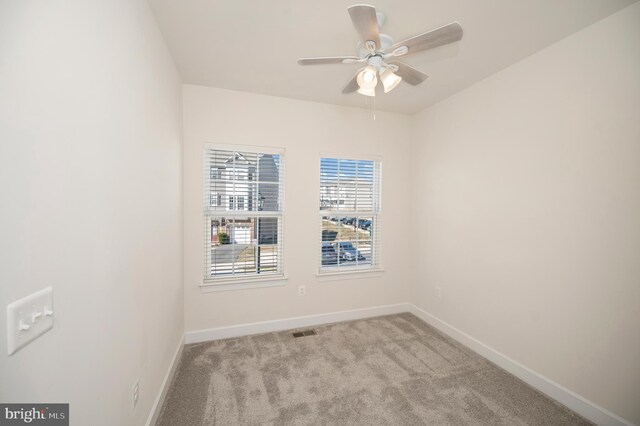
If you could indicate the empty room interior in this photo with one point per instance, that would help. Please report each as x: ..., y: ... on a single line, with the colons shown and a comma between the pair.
x: 236, y: 212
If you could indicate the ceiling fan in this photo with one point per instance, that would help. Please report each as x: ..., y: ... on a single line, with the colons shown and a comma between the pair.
x: 378, y: 52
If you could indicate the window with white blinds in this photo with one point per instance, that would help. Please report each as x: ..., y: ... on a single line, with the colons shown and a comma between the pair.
x: 243, y: 208
x: 349, y: 214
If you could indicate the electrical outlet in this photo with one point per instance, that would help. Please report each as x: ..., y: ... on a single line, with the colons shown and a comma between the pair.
x: 302, y: 290
x: 438, y: 292
x: 136, y: 392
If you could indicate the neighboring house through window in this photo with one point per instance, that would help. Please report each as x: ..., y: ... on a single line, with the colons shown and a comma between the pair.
x: 243, y: 235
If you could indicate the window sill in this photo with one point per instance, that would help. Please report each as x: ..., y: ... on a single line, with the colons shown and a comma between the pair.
x: 349, y: 274
x: 244, y: 283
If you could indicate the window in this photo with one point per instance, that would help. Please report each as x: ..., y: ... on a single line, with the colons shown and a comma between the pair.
x: 349, y: 214
x: 215, y: 199
x: 243, y: 239
x: 216, y: 173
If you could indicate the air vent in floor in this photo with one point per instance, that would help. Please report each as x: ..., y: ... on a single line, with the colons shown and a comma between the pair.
x: 304, y: 333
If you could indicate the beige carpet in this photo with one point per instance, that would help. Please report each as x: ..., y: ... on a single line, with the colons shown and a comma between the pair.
x: 392, y: 370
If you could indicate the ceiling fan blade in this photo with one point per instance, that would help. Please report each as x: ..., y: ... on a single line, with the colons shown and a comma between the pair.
x: 354, y: 61
x: 366, y: 22
x: 434, y: 38
x: 352, y: 85
x: 328, y: 60
x: 409, y: 74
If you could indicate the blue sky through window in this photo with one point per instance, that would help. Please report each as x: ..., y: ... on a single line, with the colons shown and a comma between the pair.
x: 331, y: 167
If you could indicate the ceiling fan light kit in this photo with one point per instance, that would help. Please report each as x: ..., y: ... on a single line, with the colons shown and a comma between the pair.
x: 378, y: 52
x: 367, y: 92
x: 389, y: 80
x: 367, y: 81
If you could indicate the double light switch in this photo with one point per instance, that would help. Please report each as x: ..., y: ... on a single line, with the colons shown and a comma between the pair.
x: 29, y: 318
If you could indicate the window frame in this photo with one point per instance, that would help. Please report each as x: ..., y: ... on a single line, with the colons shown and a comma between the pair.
x: 251, y: 280
x: 375, y: 268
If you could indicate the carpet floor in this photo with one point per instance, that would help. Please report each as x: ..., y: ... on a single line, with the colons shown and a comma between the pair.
x: 391, y: 370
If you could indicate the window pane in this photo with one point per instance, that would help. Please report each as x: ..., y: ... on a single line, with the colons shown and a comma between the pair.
x: 365, y: 252
x: 268, y: 169
x: 364, y: 227
x: 328, y: 183
x: 355, y: 228
x: 244, y: 245
x: 347, y: 185
x: 350, y: 238
x: 330, y: 228
x: 244, y: 181
x: 348, y: 253
x: 267, y: 197
x: 329, y: 254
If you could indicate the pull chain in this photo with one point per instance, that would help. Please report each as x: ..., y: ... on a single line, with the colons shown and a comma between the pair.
x: 366, y: 103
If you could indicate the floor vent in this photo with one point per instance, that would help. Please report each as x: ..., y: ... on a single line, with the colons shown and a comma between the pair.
x: 304, y: 333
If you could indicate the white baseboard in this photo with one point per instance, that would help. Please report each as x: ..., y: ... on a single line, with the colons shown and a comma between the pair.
x: 570, y: 399
x: 291, y: 323
x: 164, y: 387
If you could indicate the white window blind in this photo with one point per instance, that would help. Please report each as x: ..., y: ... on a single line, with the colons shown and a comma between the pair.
x: 243, y: 210
x: 349, y: 214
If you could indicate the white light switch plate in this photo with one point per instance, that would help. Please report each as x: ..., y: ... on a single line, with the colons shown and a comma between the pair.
x: 29, y: 318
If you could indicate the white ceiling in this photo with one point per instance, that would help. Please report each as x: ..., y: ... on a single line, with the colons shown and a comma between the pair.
x: 253, y: 45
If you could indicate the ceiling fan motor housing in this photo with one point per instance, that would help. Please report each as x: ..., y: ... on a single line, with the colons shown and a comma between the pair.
x: 385, y: 40
x: 375, y: 61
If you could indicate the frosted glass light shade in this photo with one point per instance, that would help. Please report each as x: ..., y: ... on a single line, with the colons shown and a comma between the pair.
x: 389, y: 80
x: 367, y: 79
x: 367, y: 92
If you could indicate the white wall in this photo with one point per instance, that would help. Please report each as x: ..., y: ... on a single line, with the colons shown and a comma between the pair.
x: 90, y: 183
x: 529, y: 203
x: 304, y: 129
x: 526, y: 214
